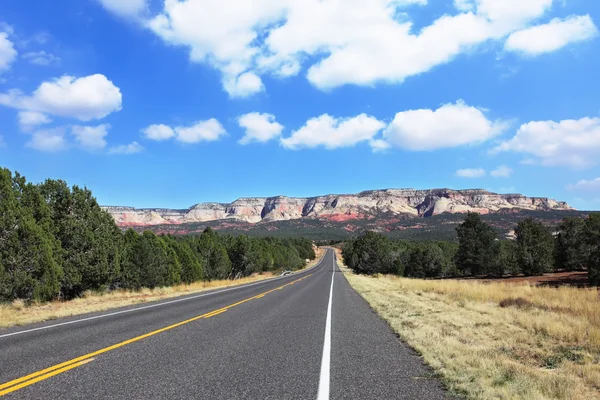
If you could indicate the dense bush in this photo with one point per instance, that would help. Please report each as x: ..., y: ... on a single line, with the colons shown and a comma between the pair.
x: 55, y: 241
x: 576, y: 246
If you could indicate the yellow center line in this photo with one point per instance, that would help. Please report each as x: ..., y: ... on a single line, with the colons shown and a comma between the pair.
x: 49, y: 375
x: 216, y: 313
x: 57, y: 369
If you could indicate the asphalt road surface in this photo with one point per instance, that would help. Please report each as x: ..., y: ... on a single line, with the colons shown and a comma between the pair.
x: 304, y: 336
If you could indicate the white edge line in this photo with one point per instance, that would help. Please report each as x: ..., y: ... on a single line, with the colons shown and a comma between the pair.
x: 324, y: 378
x: 156, y: 305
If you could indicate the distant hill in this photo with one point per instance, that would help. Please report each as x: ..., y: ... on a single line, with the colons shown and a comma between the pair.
x: 408, y: 213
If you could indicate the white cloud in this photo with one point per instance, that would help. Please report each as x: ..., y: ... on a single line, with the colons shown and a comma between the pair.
x: 331, y: 132
x: 379, y: 145
x: 29, y: 120
x: 41, y: 58
x: 244, y: 85
x: 585, y: 185
x: 552, y: 36
x: 571, y: 143
x: 451, y: 125
x: 470, y: 173
x: 464, y: 5
x: 51, y: 140
x: 502, y: 172
x: 158, y: 132
x: 131, y: 148
x: 8, y: 54
x: 360, y: 42
x: 202, y: 131
x: 125, y: 8
x: 87, y: 98
x: 259, y: 128
x: 91, y: 137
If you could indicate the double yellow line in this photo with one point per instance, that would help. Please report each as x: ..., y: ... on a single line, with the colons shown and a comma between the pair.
x: 57, y: 369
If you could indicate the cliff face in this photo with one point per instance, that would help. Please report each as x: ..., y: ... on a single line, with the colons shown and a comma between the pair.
x: 416, y: 203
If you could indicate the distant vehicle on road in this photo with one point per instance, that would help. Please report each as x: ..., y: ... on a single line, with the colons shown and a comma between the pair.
x: 286, y: 273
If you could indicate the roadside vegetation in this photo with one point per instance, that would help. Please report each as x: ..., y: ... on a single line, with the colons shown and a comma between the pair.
x: 19, y: 312
x: 57, y: 244
x: 490, y: 338
x: 479, y: 252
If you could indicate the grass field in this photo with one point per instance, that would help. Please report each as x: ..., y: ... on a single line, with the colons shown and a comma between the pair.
x: 18, y: 313
x: 496, y: 340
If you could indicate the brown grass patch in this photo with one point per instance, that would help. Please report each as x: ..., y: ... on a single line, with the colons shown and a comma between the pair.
x: 496, y: 340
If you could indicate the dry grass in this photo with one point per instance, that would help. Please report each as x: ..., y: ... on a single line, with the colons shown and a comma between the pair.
x: 495, y: 340
x: 18, y: 313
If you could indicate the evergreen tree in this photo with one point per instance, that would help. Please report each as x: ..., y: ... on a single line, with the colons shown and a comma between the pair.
x: 88, y: 236
x: 571, y: 250
x: 478, y: 248
x: 372, y: 253
x: 157, y: 264
x: 192, y: 269
x: 28, y: 269
x: 534, y: 247
x: 214, y: 255
x: 592, y: 234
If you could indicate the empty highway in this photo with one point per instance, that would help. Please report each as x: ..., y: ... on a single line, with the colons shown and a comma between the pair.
x: 304, y: 336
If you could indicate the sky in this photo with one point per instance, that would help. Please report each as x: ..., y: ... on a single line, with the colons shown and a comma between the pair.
x: 168, y: 103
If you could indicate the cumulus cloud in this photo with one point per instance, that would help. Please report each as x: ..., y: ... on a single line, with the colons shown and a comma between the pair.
x: 202, y: 131
x: 91, y: 138
x: 244, y: 85
x: 86, y: 98
x: 331, y: 132
x: 570, y: 143
x: 502, y: 172
x: 41, y: 58
x: 8, y: 54
x: 451, y: 125
x: 125, y: 8
x: 158, y: 132
x: 259, y: 128
x: 586, y: 185
x: 471, y: 173
x: 28, y: 120
x: 50, y: 140
x: 552, y: 36
x: 360, y: 42
x: 132, y: 148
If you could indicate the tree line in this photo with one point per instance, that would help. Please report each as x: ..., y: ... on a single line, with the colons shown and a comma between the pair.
x: 573, y: 246
x: 56, y: 242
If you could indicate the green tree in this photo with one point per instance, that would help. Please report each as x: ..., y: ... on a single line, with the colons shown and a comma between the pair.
x: 28, y: 269
x: 592, y: 234
x: 507, y: 260
x: 372, y: 253
x: 213, y: 253
x: 571, y: 250
x: 534, y: 247
x: 88, y: 236
x: 152, y: 263
x: 478, y: 248
x: 192, y: 269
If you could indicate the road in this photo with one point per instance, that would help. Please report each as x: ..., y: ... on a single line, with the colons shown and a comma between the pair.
x: 304, y: 336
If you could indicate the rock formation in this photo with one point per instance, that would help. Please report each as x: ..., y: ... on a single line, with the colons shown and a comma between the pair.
x: 368, y: 204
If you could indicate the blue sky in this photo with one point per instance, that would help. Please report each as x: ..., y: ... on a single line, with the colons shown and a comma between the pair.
x: 171, y: 103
